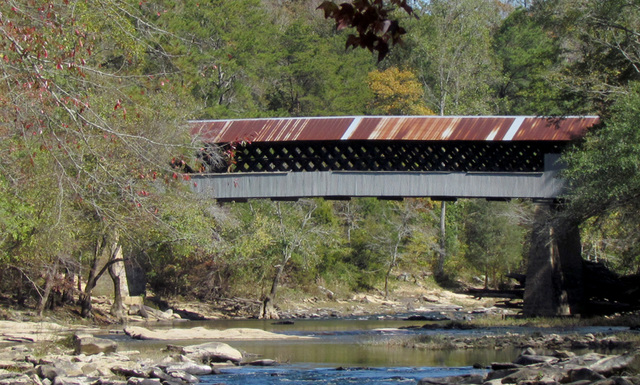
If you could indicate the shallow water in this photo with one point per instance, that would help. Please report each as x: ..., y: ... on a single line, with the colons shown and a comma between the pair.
x: 359, y: 345
x: 302, y: 375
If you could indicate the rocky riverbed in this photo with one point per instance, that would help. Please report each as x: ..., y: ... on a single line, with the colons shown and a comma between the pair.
x: 92, y: 360
x: 82, y: 359
x: 559, y: 368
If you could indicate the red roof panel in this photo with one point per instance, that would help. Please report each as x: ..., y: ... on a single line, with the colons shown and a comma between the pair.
x: 421, y: 128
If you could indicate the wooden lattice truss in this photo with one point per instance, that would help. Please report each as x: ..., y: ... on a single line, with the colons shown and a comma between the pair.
x: 442, y: 156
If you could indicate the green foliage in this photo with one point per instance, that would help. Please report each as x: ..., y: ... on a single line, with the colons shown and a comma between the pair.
x: 16, y: 220
x: 530, y: 57
x: 603, y: 171
x: 605, y: 179
x: 450, y: 48
x: 600, y: 48
x: 97, y: 93
x: 494, y: 239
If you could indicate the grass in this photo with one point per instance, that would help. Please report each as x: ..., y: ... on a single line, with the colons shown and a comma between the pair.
x: 54, y: 346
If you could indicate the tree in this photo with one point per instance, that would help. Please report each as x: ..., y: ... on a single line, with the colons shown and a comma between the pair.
x: 289, y: 243
x: 273, y: 243
x: 77, y: 92
x: 600, y: 49
x: 397, y: 92
x: 223, y: 64
x: 450, y: 48
x: 603, y: 170
x: 494, y: 239
x: 314, y: 76
x: 530, y: 59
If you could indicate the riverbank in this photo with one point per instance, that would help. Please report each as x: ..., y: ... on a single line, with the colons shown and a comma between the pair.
x: 405, y: 298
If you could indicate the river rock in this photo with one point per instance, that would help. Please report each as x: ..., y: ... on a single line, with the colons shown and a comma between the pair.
x: 582, y: 374
x: 464, y: 379
x: 209, y: 352
x: 15, y: 379
x: 130, y: 372
x: 500, y: 374
x: 504, y: 365
x: 184, y: 376
x: 563, y: 354
x: 160, y: 374
x: 140, y: 333
x: 533, y: 359
x: 16, y: 365
x: 64, y: 380
x: 88, y: 344
x: 615, y: 380
x: 610, y: 365
x: 109, y: 381
x: 582, y: 361
x: 143, y: 381
x: 49, y: 371
x: 191, y: 368
x: 262, y: 362
x: 70, y: 369
x: 544, y: 373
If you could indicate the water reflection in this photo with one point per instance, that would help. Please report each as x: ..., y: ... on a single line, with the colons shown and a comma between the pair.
x: 296, y: 375
x: 356, y: 353
x: 353, y: 342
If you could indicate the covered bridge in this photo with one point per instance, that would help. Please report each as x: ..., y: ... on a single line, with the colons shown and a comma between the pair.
x: 493, y: 157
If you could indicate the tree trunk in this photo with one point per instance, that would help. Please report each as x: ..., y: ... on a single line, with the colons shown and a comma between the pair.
x: 486, y: 275
x: 94, y: 275
x: 118, y: 307
x: 268, y: 310
x: 392, y: 264
x: 46, y: 293
x: 439, y: 273
x: 85, y: 296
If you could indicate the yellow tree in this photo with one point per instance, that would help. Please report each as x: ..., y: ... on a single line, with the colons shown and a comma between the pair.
x: 397, y: 92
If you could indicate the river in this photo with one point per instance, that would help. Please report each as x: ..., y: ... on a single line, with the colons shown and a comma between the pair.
x: 348, y: 351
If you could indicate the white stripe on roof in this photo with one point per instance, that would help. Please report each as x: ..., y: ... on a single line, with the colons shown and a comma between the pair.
x: 352, y: 127
x: 515, y: 126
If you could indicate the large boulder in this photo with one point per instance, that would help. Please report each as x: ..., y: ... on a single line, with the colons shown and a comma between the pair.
x: 88, y: 344
x: 544, y: 373
x: 614, y: 364
x: 582, y: 374
x: 209, y: 352
x: 49, y: 371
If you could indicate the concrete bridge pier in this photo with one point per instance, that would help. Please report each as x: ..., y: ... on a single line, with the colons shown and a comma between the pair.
x: 554, y: 285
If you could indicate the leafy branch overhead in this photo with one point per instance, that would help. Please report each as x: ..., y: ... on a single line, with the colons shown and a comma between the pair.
x: 371, y: 20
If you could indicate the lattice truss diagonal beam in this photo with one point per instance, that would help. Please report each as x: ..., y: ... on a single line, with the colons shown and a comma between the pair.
x: 460, y: 156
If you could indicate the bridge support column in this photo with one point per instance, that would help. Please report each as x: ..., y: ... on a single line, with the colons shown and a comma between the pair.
x: 554, y: 284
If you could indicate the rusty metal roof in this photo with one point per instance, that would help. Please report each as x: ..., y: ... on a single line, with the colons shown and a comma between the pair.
x: 419, y: 128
